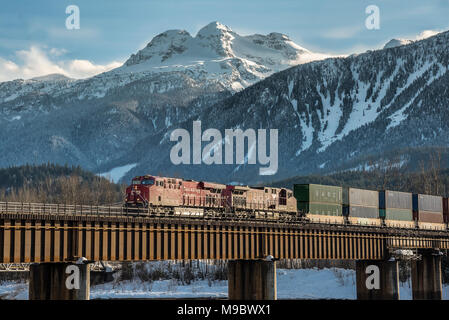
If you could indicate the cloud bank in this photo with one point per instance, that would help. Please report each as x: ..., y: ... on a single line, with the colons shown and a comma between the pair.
x: 426, y: 34
x: 37, y: 62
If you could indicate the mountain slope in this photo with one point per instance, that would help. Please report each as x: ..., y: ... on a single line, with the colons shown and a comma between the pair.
x: 337, y: 112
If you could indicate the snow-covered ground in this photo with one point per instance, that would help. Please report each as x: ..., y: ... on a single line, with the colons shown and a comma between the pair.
x: 117, y: 173
x: 11, y: 290
x: 333, y: 283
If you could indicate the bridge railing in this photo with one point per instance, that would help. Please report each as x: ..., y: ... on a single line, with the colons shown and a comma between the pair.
x: 62, y: 209
x: 112, y: 210
x: 416, y: 242
x: 67, y: 209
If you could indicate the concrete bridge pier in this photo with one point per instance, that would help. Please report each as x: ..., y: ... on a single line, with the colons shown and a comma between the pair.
x: 377, y: 280
x: 426, y: 277
x: 251, y: 280
x: 59, y: 281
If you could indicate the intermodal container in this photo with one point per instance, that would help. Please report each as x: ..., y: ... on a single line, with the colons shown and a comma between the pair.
x: 396, y: 214
x: 395, y: 200
x: 326, y: 209
x: 361, y: 212
x: 315, y: 193
x: 428, y: 216
x: 427, y: 208
x: 424, y: 202
x: 360, y: 203
x: 360, y: 197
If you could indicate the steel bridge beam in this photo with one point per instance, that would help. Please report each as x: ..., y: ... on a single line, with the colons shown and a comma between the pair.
x: 141, y: 239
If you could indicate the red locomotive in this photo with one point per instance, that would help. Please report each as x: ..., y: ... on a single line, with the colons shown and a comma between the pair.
x: 188, y: 197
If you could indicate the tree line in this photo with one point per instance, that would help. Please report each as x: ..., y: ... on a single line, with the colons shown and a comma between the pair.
x: 52, y: 183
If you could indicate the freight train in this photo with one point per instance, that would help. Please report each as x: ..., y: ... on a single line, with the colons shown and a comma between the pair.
x: 311, y: 202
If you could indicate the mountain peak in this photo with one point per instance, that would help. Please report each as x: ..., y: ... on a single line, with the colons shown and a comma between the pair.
x: 216, y: 52
x: 214, y: 28
x: 397, y: 43
x: 169, y: 35
x: 163, y: 46
x: 278, y: 36
x: 52, y: 77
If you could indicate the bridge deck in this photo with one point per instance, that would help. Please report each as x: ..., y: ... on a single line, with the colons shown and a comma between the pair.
x: 57, y: 233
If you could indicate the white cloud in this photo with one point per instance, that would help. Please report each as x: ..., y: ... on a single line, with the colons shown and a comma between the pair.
x: 57, y: 52
x: 85, y: 68
x: 36, y: 62
x: 426, y: 34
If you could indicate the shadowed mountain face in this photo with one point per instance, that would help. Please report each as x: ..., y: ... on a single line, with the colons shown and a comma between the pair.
x: 335, y: 114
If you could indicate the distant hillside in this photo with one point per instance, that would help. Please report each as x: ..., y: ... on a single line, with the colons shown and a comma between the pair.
x: 56, y: 184
x: 31, y: 175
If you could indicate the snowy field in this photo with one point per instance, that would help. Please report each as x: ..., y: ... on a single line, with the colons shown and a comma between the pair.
x: 333, y: 283
x: 117, y: 173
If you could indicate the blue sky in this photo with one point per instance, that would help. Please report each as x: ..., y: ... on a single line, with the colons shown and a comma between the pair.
x: 34, y: 32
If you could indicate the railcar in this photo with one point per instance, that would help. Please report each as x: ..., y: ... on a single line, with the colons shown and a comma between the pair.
x: 320, y: 203
x: 199, y: 198
x: 428, y: 212
x: 361, y: 207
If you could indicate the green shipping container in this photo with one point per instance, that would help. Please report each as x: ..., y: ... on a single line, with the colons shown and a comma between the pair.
x: 320, y: 208
x: 316, y: 193
x: 396, y: 214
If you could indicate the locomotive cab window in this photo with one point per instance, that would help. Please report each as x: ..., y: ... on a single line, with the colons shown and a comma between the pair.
x: 148, y: 182
x: 136, y: 181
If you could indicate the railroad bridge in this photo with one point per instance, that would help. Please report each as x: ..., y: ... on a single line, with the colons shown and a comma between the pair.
x: 54, y: 237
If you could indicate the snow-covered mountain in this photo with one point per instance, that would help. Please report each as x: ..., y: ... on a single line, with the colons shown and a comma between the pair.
x: 331, y: 115
x: 216, y: 56
x: 96, y: 121
x: 397, y: 43
x: 219, y: 54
